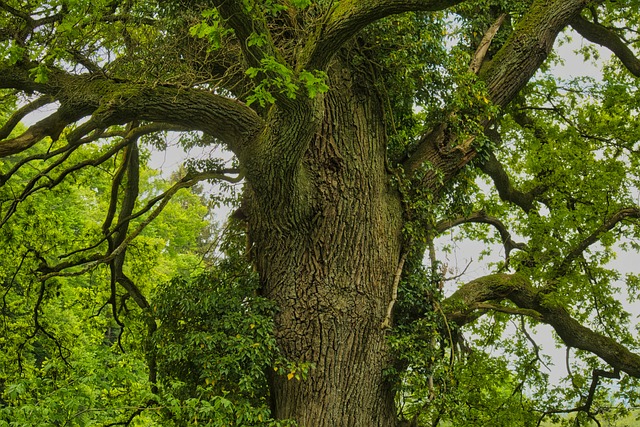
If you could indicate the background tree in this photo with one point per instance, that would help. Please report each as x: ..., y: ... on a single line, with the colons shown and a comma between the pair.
x: 58, y: 334
x: 362, y: 131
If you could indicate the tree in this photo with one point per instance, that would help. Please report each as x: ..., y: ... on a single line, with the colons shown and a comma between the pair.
x: 361, y: 130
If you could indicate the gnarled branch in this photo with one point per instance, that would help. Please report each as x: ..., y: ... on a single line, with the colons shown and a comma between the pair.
x: 492, y: 167
x: 111, y: 103
x: 462, y: 305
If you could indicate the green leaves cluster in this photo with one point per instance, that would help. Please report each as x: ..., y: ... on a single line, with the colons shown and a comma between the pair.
x: 61, y: 362
x: 279, y: 78
x: 211, y: 29
x: 215, y: 347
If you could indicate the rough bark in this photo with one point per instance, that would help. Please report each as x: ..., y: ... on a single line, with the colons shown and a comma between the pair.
x: 331, y: 270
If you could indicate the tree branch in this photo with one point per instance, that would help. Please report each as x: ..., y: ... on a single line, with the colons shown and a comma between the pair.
x: 528, y: 47
x: 609, y: 224
x: 111, y: 103
x: 17, y: 13
x: 237, y: 17
x: 51, y: 126
x: 31, y: 23
x: 90, y: 262
x: 461, y: 306
x: 245, y: 23
x: 349, y: 17
x: 605, y: 37
x: 596, y: 374
x: 482, y: 218
x: 485, y: 43
x: 31, y: 187
x: 507, y: 310
x: 492, y: 167
x: 19, y: 114
x: 505, y: 75
x: 130, y: 167
x: 386, y: 323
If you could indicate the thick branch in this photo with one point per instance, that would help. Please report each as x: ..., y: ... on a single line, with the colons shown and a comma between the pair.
x: 438, y: 142
x: 603, y: 36
x: 506, y: 191
x: 528, y: 47
x: 50, y: 126
x: 131, y: 190
x: 15, y: 118
x: 461, y: 306
x: 349, y: 17
x: 112, y: 103
x: 505, y: 75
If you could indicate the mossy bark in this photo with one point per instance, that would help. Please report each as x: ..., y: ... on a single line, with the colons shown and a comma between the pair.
x: 326, y: 235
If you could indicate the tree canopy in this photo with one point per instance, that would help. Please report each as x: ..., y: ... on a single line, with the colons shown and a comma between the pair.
x: 350, y: 139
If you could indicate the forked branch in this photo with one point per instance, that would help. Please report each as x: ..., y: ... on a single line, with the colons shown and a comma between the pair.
x: 594, y: 236
x: 504, y: 76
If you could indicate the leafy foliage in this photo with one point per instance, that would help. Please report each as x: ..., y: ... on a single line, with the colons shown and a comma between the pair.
x: 215, y: 347
x: 61, y: 362
x: 122, y: 304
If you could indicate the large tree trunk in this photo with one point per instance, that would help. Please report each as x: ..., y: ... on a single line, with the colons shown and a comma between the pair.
x: 331, y: 268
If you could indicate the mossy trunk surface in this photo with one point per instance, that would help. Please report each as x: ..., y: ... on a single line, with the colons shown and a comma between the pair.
x: 330, y: 265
